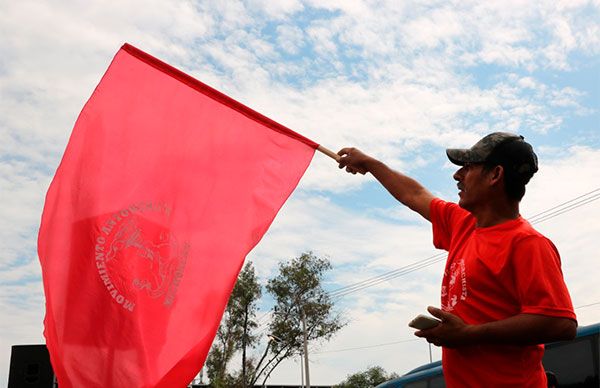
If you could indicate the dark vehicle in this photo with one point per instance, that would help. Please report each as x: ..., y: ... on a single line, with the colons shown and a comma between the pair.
x: 575, y: 364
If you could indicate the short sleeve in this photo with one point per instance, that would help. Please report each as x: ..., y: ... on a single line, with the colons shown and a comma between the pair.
x: 541, y: 286
x: 444, y: 217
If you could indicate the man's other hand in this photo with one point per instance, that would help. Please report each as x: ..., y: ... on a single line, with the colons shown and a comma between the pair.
x: 451, y: 333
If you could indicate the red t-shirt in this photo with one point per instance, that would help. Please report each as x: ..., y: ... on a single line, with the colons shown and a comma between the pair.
x: 492, y: 274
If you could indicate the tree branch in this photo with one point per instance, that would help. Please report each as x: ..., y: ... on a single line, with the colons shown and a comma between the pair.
x: 275, y: 366
x: 256, y: 376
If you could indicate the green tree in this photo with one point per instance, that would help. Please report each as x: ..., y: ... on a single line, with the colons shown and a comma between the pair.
x: 235, y: 331
x: 299, y: 295
x: 371, y: 377
x: 245, y: 298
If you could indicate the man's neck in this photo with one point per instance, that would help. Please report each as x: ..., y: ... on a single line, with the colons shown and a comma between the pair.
x: 496, y: 212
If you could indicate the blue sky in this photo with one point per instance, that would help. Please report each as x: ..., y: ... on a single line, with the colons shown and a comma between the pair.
x: 400, y: 81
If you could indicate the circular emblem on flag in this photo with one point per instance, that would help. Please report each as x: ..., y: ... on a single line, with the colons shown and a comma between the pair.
x: 136, y: 253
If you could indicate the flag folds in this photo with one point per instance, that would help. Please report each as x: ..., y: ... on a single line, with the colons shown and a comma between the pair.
x: 165, y: 186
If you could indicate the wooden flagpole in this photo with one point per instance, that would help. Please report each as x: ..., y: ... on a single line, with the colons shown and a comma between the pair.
x: 329, y: 153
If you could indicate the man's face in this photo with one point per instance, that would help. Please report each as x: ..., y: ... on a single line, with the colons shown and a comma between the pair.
x: 471, y: 184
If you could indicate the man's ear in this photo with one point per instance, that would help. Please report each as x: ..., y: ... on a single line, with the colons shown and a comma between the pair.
x: 496, y: 175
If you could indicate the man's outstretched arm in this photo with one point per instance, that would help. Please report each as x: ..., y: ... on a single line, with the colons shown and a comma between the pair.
x: 405, y: 189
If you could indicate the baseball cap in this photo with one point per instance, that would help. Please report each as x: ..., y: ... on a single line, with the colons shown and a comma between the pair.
x: 508, y: 150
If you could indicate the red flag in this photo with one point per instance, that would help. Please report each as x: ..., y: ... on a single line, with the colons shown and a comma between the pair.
x: 165, y: 186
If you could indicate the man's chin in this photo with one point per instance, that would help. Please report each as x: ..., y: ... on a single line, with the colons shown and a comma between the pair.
x: 462, y: 203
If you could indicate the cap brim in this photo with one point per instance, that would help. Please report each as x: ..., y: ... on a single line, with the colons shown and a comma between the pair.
x: 457, y: 155
x: 460, y: 156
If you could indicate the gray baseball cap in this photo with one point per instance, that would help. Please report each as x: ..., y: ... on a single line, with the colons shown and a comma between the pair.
x: 501, y: 148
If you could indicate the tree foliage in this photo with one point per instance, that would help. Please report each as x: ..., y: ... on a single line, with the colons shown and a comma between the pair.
x: 371, y: 377
x: 298, y: 294
x: 245, y: 299
x: 235, y: 331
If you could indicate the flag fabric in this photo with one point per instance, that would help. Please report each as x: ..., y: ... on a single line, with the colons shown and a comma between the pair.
x: 165, y: 186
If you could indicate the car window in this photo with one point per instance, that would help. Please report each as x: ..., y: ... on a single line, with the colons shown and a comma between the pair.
x: 574, y: 363
x: 437, y: 382
x: 432, y: 382
x: 417, y: 384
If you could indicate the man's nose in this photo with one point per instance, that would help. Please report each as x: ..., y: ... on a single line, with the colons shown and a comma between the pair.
x: 457, y: 175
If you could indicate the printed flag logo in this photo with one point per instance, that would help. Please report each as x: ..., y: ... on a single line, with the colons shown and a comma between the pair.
x: 134, y: 254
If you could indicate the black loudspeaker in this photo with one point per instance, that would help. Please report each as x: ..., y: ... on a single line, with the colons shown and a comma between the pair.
x: 30, y: 367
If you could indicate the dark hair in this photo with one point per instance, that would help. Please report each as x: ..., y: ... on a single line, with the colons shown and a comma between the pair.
x: 519, y: 163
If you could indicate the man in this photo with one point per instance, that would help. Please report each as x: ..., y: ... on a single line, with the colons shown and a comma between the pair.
x: 503, y: 293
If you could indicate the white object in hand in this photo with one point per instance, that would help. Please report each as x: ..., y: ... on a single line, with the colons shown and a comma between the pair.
x: 423, y: 322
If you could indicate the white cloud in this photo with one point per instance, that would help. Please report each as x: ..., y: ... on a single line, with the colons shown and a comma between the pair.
x: 277, y: 9
x: 290, y: 38
x: 322, y: 36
